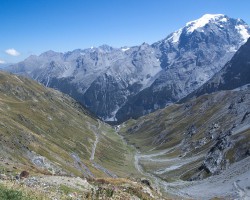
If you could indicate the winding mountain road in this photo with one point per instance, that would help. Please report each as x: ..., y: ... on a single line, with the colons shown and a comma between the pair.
x: 232, y: 183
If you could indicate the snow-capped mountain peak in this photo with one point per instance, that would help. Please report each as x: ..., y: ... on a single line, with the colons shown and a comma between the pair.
x: 205, y: 19
x: 218, y: 19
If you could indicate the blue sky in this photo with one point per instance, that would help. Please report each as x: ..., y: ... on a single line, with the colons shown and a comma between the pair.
x: 34, y: 26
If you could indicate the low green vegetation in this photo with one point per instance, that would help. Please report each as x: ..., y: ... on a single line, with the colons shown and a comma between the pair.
x: 37, y: 121
x: 189, y: 131
x: 12, y: 193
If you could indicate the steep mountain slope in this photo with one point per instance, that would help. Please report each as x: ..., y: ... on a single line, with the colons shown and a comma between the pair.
x: 182, y: 145
x: 100, y: 78
x: 119, y: 83
x: 234, y: 74
x: 45, y: 131
x: 189, y: 57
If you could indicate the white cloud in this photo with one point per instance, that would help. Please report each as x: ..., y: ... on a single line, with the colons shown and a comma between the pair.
x: 2, y: 61
x: 12, y: 52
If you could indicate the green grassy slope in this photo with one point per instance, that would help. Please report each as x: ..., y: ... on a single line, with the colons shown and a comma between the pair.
x: 184, y: 136
x: 36, y: 121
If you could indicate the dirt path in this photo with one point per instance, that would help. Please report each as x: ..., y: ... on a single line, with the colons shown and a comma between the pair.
x: 81, y: 166
x: 92, y: 157
x: 96, y: 131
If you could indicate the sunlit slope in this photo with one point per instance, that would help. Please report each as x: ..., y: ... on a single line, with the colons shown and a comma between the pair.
x: 194, y: 140
x: 43, y: 130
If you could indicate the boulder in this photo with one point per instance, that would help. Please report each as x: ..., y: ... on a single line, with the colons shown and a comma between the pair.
x: 24, y: 174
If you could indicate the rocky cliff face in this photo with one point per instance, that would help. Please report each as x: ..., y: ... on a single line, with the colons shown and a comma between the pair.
x: 119, y: 83
x: 234, y: 74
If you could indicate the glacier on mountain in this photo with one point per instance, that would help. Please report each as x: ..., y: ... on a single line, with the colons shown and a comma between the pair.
x: 205, y: 19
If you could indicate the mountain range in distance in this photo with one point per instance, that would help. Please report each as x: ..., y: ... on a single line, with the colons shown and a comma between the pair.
x: 117, y: 84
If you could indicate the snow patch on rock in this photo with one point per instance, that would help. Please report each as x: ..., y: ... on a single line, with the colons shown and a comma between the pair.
x: 125, y: 49
x: 243, y: 31
x: 175, y: 36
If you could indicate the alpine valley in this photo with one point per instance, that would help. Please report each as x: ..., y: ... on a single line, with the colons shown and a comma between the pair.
x: 181, y: 109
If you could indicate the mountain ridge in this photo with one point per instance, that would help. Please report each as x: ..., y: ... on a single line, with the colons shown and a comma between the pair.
x: 107, y: 80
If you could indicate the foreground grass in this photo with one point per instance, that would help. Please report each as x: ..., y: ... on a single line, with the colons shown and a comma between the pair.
x: 8, y: 192
x: 71, y: 188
